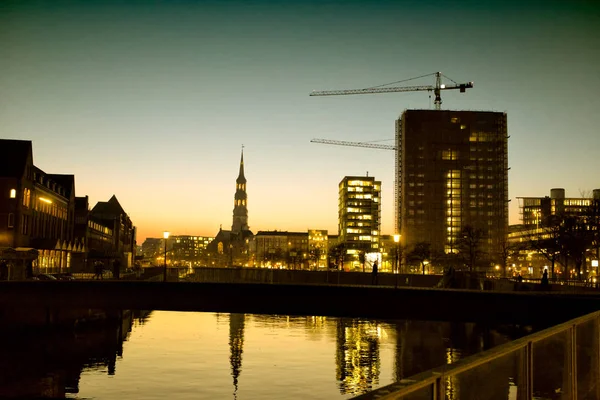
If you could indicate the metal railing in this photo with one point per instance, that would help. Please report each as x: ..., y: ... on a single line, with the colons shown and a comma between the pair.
x: 557, y: 363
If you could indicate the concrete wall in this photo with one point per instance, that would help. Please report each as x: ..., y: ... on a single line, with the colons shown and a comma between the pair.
x: 265, y: 275
x: 56, y: 297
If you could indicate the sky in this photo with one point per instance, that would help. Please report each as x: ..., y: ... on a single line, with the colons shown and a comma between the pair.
x: 152, y: 100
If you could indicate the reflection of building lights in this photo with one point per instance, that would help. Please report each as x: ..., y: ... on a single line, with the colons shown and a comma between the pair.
x: 45, y: 200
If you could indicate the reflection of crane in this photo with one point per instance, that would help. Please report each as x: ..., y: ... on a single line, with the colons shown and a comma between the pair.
x: 436, y: 89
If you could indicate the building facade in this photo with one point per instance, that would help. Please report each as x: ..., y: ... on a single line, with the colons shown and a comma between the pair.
x: 281, y: 249
x: 536, y: 211
x: 40, y: 211
x: 453, y: 172
x: 36, y: 208
x: 359, y: 214
x: 318, y: 248
x: 106, y: 233
x: 545, y: 235
x: 152, y: 248
x: 186, y: 249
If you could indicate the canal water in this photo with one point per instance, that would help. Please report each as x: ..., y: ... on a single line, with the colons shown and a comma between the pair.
x: 192, y: 355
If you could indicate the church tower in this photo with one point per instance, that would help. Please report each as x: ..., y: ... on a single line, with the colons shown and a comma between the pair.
x: 240, y: 210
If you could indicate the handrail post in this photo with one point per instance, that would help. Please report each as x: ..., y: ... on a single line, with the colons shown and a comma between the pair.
x: 525, y: 373
x: 596, y: 346
x: 573, y: 360
x: 438, y: 389
x: 529, y: 370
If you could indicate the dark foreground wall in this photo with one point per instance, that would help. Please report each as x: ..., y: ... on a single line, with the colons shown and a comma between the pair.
x: 334, y: 277
x: 322, y: 300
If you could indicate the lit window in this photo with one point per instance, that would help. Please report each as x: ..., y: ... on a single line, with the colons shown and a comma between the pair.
x: 449, y: 155
x: 13, y: 193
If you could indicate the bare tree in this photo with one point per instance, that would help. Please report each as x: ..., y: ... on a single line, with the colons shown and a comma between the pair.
x: 504, y: 252
x: 294, y: 255
x: 421, y: 253
x: 315, y: 255
x: 547, y: 242
x: 469, y: 246
x: 362, y: 258
x: 575, y: 239
x: 338, y: 253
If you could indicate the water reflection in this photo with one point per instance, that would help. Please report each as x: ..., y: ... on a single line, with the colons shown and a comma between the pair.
x: 49, y: 364
x: 236, y: 347
x: 357, y: 355
x: 203, y: 355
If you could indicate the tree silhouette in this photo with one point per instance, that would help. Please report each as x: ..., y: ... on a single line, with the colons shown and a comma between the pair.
x: 547, y: 241
x: 337, y: 253
x: 421, y: 253
x: 575, y: 239
x: 506, y: 249
x: 315, y: 255
x: 294, y: 255
x: 362, y: 258
x: 469, y: 245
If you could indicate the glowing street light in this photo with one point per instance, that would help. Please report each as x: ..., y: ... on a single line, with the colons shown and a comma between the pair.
x: 166, y: 236
x: 397, y: 241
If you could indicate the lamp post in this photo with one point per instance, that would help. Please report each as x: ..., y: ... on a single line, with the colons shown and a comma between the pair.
x: 397, y: 241
x: 166, y: 236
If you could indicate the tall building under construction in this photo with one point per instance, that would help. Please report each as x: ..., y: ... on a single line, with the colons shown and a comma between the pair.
x: 452, y: 168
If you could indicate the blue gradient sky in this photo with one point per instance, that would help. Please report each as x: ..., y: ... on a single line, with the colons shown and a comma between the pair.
x: 152, y: 100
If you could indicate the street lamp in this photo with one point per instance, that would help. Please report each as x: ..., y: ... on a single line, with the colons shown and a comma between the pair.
x: 397, y: 241
x: 166, y: 236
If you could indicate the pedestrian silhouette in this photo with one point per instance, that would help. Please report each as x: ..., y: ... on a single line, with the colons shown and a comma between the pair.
x: 116, y: 269
x: 374, y: 274
x: 3, y: 271
x: 98, y: 268
x: 519, y: 278
x: 29, y: 270
x: 545, y: 284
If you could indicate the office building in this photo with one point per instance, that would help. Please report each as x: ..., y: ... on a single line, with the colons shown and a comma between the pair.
x: 359, y: 214
x: 151, y: 248
x: 536, y: 211
x: 453, y: 172
x: 186, y: 248
x: 279, y: 249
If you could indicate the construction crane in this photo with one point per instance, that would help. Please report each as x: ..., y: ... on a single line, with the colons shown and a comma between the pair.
x: 436, y: 88
x: 355, y: 144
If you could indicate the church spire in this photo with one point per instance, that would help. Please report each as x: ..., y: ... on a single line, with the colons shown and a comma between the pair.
x: 240, y: 210
x: 241, y: 178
